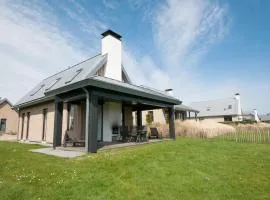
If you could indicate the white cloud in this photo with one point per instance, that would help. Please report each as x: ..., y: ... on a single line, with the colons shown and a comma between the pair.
x: 34, y: 43
x: 185, y: 28
x: 32, y: 46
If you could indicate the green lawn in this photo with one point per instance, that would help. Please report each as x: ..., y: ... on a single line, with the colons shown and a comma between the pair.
x: 181, y: 169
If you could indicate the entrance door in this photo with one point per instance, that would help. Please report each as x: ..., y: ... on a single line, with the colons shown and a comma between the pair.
x: 100, y: 123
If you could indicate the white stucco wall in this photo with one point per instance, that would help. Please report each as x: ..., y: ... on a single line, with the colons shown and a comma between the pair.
x: 113, y: 48
x: 158, y: 116
x: 112, y: 114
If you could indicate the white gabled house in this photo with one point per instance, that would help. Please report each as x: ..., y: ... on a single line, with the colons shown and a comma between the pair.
x: 88, y: 99
x: 220, y: 110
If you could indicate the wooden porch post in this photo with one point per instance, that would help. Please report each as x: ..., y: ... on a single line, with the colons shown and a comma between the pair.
x: 58, y: 114
x: 91, y: 122
x: 139, y: 118
x: 196, y: 115
x: 171, y: 122
x: 189, y: 114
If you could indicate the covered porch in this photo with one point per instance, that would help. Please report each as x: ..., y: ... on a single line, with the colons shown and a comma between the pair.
x: 91, y: 115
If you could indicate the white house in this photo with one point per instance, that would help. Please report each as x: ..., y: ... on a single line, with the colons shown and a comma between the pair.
x: 88, y: 100
x: 228, y: 109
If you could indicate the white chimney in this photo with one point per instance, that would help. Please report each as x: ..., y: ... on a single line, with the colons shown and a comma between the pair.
x: 239, y: 108
x: 112, y: 46
x: 256, y: 118
x: 169, y: 91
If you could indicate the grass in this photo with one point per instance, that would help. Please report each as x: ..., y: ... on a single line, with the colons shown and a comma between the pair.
x: 181, y: 169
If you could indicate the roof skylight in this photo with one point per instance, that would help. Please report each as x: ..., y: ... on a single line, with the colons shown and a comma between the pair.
x: 53, y: 83
x: 76, y: 74
x: 36, y: 91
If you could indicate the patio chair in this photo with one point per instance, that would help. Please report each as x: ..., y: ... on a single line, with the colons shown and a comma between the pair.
x: 124, y: 133
x: 134, y: 137
x: 153, y: 133
x: 142, y: 132
x: 70, y: 138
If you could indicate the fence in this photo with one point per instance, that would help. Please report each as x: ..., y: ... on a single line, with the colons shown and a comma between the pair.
x: 250, y: 136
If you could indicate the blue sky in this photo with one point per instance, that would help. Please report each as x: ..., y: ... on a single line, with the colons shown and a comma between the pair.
x: 202, y: 49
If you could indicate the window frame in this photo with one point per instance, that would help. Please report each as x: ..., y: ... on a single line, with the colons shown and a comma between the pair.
x: 44, y: 123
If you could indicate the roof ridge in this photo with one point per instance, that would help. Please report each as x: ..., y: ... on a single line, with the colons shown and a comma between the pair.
x: 72, y: 66
x: 213, y: 100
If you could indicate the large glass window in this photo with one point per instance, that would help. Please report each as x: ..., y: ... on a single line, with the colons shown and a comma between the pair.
x: 44, y: 125
x: 27, y: 126
x: 22, y: 129
x: 3, y: 124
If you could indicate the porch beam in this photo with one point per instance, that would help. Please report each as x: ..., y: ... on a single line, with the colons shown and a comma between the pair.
x: 91, y: 122
x: 171, y: 122
x: 129, y: 98
x: 58, y: 115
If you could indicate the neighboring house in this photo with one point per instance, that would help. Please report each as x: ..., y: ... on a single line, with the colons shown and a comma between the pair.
x: 265, y: 118
x: 251, y: 115
x: 89, y: 100
x: 221, y: 110
x: 8, y: 117
x: 182, y: 112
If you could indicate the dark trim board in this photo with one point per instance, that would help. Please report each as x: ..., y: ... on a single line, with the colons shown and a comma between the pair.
x: 58, y: 118
x: 101, y: 85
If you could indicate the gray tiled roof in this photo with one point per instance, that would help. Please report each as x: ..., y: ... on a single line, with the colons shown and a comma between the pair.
x: 133, y: 87
x: 185, y: 108
x: 85, y: 72
x: 216, y: 107
x: 87, y: 67
x: 265, y: 117
x: 5, y: 100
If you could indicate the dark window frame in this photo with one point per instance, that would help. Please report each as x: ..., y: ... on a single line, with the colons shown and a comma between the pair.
x: 77, y: 73
x: 53, y: 84
x: 43, y: 85
x: 44, y: 123
x: 3, y: 121
x: 27, y: 125
x: 22, y: 128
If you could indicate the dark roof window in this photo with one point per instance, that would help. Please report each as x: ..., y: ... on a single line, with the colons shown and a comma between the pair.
x: 76, y: 74
x: 36, y: 91
x: 58, y: 79
x: 229, y: 106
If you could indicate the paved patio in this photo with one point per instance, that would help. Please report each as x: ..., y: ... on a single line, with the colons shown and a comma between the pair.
x: 72, y: 152
x: 59, y: 152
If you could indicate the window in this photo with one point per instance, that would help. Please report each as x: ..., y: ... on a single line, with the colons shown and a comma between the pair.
x: 58, y: 79
x: 27, y: 125
x: 229, y: 106
x: 44, y: 124
x: 23, y: 115
x: 3, y: 123
x: 36, y: 91
x: 150, y: 117
x: 76, y: 74
x: 71, y: 117
x: 227, y: 118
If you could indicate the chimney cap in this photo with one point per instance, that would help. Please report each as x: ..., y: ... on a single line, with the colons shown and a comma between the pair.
x: 169, y: 89
x: 110, y: 32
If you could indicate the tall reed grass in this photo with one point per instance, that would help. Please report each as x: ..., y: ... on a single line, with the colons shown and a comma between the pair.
x: 254, y: 133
